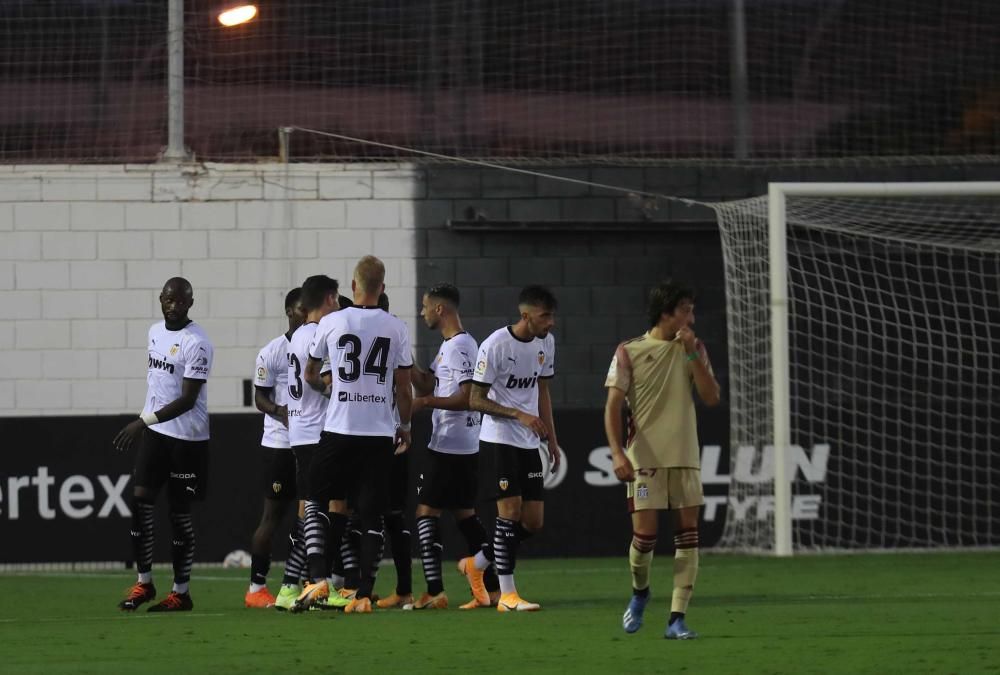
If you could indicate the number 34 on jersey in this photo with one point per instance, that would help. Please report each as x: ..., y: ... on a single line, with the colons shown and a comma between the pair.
x: 365, y: 346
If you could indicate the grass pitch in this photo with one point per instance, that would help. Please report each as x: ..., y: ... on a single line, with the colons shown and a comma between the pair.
x: 906, y: 613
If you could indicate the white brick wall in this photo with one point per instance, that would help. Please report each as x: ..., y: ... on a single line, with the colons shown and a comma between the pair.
x: 84, y: 252
x: 29, y: 275
x: 20, y: 245
x: 41, y: 216
x: 100, y: 216
x: 6, y: 276
x: 97, y: 274
x: 6, y: 336
x: 181, y: 245
x: 91, y: 334
x: 69, y: 246
x: 6, y: 217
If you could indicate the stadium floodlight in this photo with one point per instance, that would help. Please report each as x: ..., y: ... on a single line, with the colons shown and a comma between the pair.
x: 236, y: 16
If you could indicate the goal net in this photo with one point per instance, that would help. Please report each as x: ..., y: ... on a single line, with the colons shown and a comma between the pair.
x: 892, y: 405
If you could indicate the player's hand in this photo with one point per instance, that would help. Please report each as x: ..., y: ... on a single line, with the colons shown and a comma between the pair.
x: 129, y: 435
x: 555, y: 456
x: 690, y: 340
x: 624, y: 471
x: 281, y: 414
x: 403, y: 440
x: 534, y: 423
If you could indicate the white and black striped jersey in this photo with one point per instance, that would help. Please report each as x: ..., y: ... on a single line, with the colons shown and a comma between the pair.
x: 512, y: 368
x: 272, y: 372
x: 365, y: 346
x: 455, y: 431
x: 176, y: 355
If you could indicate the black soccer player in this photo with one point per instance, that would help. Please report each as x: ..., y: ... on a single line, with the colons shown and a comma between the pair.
x: 172, y: 436
x: 271, y: 398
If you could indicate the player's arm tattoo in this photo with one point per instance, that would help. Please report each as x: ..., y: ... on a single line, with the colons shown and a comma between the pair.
x: 479, y: 401
x: 312, y: 375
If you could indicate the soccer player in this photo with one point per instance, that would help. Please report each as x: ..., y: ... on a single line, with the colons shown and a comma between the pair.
x: 369, y: 352
x: 449, y: 475
x: 395, y: 520
x: 306, y: 409
x: 172, y: 431
x: 654, y: 373
x: 510, y: 388
x: 271, y: 398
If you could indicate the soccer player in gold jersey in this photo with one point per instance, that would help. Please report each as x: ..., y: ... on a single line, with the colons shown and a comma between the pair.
x: 653, y: 375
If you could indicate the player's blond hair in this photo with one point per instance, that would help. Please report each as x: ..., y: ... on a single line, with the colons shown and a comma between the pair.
x: 369, y: 274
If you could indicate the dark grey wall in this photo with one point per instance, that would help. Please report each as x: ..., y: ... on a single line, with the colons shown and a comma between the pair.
x: 599, y: 250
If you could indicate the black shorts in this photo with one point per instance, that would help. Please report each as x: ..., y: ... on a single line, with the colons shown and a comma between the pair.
x: 182, y: 465
x: 399, y: 481
x: 353, y: 465
x: 519, y: 472
x: 448, y: 482
x: 278, y: 476
x: 303, y: 468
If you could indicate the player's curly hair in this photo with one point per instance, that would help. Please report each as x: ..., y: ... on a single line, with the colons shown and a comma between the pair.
x: 664, y: 298
x: 292, y: 297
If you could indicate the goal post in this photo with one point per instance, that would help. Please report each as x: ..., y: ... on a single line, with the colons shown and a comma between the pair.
x: 813, y: 258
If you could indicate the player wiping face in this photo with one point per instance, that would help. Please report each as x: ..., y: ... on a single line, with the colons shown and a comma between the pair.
x: 683, y: 318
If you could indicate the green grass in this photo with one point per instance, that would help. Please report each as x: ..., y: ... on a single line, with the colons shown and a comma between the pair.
x: 909, y: 613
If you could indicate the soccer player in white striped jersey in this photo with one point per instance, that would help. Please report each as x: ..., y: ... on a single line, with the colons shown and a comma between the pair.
x: 307, y: 407
x: 173, y: 449
x: 369, y: 353
x: 510, y: 388
x: 271, y: 398
x: 450, y: 472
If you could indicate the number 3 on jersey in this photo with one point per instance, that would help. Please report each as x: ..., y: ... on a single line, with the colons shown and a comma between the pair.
x: 295, y: 383
x: 375, y: 362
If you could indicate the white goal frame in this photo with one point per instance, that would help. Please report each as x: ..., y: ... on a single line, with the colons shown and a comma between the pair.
x: 778, y: 194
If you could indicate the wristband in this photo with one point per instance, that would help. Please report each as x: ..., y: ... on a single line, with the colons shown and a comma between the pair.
x: 693, y: 356
x: 404, y: 427
x: 149, y: 419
